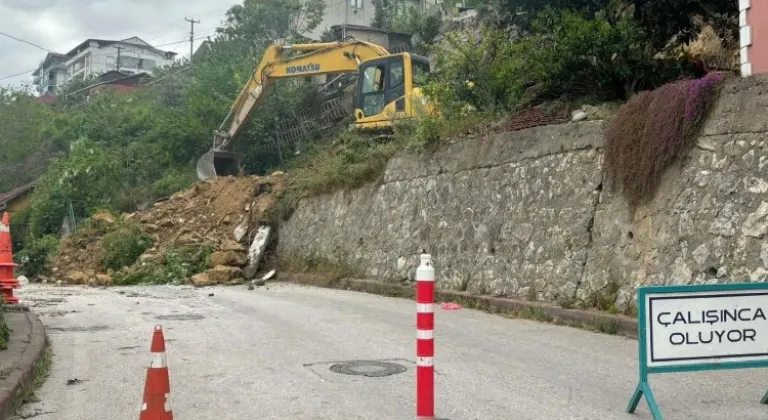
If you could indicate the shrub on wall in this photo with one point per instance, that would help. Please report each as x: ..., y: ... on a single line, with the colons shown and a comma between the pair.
x: 653, y: 130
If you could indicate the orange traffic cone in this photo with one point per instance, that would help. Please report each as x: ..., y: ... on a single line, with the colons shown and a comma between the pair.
x: 7, y: 281
x: 157, y: 388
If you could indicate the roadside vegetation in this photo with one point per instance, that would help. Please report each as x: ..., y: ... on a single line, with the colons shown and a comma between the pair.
x: 121, y: 151
x: 5, y: 334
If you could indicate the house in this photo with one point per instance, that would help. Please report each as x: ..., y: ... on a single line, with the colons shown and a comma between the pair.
x: 97, y: 56
x: 753, y: 20
x: 16, y: 199
x: 392, y: 41
x: 358, y: 13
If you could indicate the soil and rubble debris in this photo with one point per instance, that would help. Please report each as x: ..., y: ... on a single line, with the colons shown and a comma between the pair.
x: 228, y: 216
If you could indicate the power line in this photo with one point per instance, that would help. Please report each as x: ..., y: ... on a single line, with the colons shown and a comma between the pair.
x: 183, y: 40
x: 17, y: 74
x: 25, y: 41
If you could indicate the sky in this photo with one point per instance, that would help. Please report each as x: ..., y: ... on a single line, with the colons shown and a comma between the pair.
x: 60, y: 25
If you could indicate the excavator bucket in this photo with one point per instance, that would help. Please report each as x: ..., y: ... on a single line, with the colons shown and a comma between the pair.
x: 217, y: 163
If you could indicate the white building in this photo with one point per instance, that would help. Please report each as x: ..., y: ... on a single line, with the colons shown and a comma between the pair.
x: 358, y: 12
x: 98, y: 56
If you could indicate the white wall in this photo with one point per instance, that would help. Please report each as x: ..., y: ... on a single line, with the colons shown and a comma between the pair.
x: 133, y: 58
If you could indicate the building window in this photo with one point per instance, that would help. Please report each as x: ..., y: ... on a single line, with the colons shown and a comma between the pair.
x: 357, y: 4
x: 147, y: 64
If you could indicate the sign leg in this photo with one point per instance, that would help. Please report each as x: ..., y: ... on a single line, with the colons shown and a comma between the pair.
x: 764, y: 400
x: 643, y: 388
x: 635, y: 400
x: 651, y: 402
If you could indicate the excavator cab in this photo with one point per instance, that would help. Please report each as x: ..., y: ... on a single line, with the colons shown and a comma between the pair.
x: 388, y: 88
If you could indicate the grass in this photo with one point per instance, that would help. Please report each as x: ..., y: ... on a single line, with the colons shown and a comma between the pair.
x: 355, y: 159
x: 331, y: 271
x: 175, y: 265
x: 41, y: 371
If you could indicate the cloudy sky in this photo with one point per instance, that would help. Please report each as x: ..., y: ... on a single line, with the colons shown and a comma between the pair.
x: 60, y: 25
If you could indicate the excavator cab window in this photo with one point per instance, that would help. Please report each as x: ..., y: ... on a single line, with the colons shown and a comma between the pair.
x: 382, y: 82
x: 420, y: 70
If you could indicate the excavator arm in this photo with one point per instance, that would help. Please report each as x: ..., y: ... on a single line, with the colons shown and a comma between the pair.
x: 314, y: 59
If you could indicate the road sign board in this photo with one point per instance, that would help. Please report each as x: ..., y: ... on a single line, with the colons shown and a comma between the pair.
x: 703, y: 327
x: 699, y: 327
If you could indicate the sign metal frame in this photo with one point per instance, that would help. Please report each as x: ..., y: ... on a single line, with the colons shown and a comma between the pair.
x: 643, y: 387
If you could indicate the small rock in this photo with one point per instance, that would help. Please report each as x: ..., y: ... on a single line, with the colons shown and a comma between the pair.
x: 241, y: 230
x: 103, y: 217
x: 23, y: 281
x: 201, y: 280
x: 230, y: 258
x: 104, y: 279
x: 188, y: 238
x: 76, y: 277
x: 578, y: 115
x: 230, y: 245
x: 258, y: 282
x: 223, y: 273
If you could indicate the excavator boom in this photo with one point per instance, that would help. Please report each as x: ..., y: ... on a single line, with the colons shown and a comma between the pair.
x: 314, y: 59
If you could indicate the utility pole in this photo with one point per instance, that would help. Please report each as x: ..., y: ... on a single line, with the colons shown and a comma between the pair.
x: 118, y: 57
x: 192, y: 22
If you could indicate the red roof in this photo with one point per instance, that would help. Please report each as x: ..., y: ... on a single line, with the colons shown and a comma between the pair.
x: 10, y: 195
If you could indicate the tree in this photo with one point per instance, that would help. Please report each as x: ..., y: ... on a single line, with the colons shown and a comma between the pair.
x: 665, y: 23
x: 258, y: 22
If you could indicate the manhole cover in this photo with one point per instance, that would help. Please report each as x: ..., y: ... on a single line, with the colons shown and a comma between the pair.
x: 179, y: 317
x: 369, y: 368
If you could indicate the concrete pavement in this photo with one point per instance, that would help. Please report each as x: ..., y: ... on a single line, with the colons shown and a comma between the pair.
x: 266, y: 354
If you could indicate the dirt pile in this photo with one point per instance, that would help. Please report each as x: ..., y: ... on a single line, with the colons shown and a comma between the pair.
x: 214, y: 221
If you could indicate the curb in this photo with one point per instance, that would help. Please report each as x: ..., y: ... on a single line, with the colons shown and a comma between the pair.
x: 588, y: 319
x: 23, y: 378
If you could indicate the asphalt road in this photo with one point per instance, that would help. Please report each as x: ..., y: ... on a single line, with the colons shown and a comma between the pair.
x: 266, y: 354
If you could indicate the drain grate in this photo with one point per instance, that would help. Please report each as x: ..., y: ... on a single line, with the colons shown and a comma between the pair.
x: 369, y: 368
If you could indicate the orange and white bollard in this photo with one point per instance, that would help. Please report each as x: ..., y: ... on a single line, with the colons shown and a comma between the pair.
x: 425, y: 343
x: 7, y: 281
x: 157, y: 388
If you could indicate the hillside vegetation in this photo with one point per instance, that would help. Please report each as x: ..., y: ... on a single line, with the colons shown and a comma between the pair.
x: 121, y: 151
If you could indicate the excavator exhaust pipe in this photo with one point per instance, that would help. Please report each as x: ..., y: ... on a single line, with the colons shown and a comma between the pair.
x: 217, y: 163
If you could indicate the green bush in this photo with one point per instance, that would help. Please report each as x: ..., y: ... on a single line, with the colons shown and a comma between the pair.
x: 173, y: 180
x: 566, y: 54
x: 123, y: 246
x: 33, y: 259
x: 175, y: 265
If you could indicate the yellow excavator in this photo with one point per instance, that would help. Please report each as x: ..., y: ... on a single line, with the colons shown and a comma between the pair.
x: 386, y: 89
